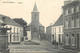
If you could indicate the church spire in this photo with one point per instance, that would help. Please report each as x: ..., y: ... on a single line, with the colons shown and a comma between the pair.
x: 35, y: 8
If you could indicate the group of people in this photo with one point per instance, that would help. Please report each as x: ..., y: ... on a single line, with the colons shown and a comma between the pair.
x: 56, y: 44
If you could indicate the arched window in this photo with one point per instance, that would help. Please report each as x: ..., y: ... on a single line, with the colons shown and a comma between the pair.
x: 73, y: 40
x: 67, y: 39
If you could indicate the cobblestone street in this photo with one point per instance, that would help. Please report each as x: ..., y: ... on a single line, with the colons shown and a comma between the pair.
x: 44, y: 47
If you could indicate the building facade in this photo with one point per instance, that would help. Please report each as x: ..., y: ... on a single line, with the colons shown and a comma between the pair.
x: 49, y: 33
x: 71, y: 14
x: 16, y: 33
x: 54, y: 33
x: 57, y: 30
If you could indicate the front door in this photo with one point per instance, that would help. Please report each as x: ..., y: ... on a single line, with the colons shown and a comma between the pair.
x: 59, y: 39
x: 77, y: 41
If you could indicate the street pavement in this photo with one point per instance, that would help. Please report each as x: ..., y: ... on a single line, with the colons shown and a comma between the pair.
x: 44, y: 47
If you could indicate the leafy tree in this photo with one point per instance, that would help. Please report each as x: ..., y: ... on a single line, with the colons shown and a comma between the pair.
x: 23, y: 23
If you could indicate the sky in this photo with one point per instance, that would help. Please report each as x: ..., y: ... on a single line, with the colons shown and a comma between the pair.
x: 50, y: 10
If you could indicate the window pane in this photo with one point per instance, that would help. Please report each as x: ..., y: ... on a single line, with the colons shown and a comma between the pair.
x: 77, y: 22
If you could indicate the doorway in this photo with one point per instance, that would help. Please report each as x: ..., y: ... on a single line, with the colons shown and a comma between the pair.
x: 77, y: 41
x: 59, y: 39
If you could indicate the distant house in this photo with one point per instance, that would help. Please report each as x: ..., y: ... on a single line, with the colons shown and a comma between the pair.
x: 49, y: 33
x: 57, y: 30
x: 16, y: 33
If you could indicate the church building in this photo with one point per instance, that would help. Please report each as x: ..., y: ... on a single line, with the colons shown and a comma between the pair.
x: 36, y: 29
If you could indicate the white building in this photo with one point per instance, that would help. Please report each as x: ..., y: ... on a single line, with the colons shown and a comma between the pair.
x: 16, y: 33
x: 57, y: 30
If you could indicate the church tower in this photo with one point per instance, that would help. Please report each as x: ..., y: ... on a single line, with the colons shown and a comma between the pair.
x: 35, y: 23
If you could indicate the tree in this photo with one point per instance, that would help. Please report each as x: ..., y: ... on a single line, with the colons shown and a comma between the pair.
x: 23, y: 23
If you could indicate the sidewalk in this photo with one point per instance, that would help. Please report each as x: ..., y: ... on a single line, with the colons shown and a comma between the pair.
x: 61, y: 48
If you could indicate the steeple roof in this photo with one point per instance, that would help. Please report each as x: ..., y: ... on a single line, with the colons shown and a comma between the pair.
x: 35, y: 8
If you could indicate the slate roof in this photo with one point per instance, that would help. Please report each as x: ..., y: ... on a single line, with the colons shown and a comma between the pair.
x: 9, y: 21
x: 59, y: 21
x: 35, y: 8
